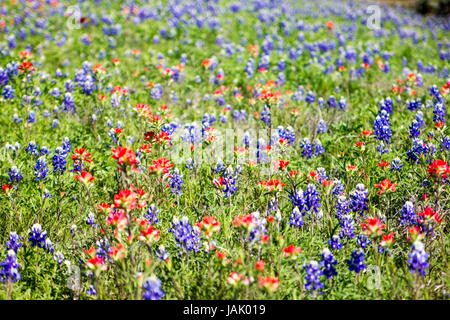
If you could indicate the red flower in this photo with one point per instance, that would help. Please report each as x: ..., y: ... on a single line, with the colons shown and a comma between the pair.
x: 384, y: 164
x: 386, y: 185
x: 259, y: 265
x: 26, y: 67
x: 85, y: 177
x: 387, y: 240
x: 269, y: 283
x: 209, y: 225
x: 117, y: 253
x: 149, y: 234
x: 291, y: 251
x: 126, y: 200
x: 366, y: 133
x: 160, y: 166
x: 246, y: 221
x: 439, y: 169
x: 6, y: 188
x: 428, y: 215
x: 373, y: 226
x: 281, y: 165
x: 124, y: 156
x: 272, y: 185
x: 97, y: 264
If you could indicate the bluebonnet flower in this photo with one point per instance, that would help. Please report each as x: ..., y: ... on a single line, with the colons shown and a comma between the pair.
x: 185, y: 236
x: 37, y: 236
x: 359, y: 200
x: 16, y: 118
x: 306, y: 148
x: 14, y: 174
x: 90, y: 220
x: 259, y: 230
x: 327, y: 263
x: 332, y: 103
x: 342, y: 207
x: 322, y: 127
x: 59, y: 161
x: 103, y: 249
x: 318, y: 148
x: 439, y: 112
x: 363, y: 241
x: 414, y: 129
x: 8, y: 92
x: 152, y: 289
x: 419, y: 150
x: 161, y: 253
x: 347, y: 227
x: 334, y: 243
x: 418, y: 259
x: 58, y: 257
x: 310, y: 97
x: 414, y: 104
x: 342, y: 103
x: 152, y: 214
x: 265, y: 116
x: 338, y: 188
x: 13, y: 242
x: 176, y: 182
x: 312, y: 199
x: 445, y: 143
x: 32, y: 149
x: 356, y: 262
x: 382, y: 127
x: 396, y: 164
x: 228, y: 182
x: 288, y: 134
x: 409, y: 217
x: 312, y: 277
x: 190, y: 164
x: 10, y: 268
x: 91, y: 291
x: 40, y: 169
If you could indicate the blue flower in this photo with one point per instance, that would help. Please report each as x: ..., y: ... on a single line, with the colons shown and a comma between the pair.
x: 40, y: 169
x: 363, y: 241
x: 356, y: 262
x: 418, y: 259
x: 185, y: 236
x: 359, y: 200
x: 176, y: 182
x: 152, y: 214
x: 14, y: 175
x: 152, y: 289
x: 327, y: 263
x: 10, y: 268
x: 13, y: 242
x: 312, y: 278
x: 334, y: 243
x: 37, y: 236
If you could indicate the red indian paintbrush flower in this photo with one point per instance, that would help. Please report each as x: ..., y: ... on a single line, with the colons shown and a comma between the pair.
x: 386, y: 185
x: 160, y: 166
x: 124, y: 156
x: 272, y: 185
x: 209, y: 225
x: 373, y: 227
x: 291, y: 251
x: 269, y: 283
x: 439, y: 169
x: 126, y: 200
x: 85, y: 177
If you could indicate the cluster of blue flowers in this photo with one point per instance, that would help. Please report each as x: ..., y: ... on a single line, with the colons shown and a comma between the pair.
x: 152, y: 289
x: 186, y: 237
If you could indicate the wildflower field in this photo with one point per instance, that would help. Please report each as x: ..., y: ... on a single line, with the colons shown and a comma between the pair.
x: 193, y: 149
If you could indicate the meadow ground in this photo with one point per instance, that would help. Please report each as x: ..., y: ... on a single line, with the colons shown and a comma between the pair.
x: 223, y: 150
